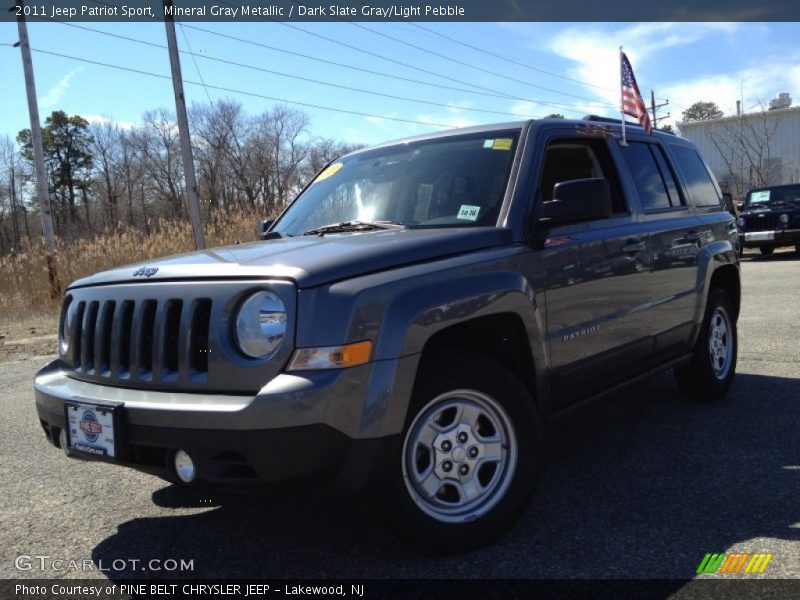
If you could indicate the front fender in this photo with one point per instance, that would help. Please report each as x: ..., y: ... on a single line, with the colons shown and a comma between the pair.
x: 712, y: 256
x: 400, y: 310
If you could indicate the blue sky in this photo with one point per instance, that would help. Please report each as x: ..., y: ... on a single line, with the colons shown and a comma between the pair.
x: 682, y: 62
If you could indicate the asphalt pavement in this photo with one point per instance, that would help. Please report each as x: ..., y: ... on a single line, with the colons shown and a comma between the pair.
x: 640, y: 485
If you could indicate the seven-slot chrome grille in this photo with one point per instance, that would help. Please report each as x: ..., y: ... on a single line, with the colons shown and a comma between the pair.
x: 166, y: 336
x: 140, y: 340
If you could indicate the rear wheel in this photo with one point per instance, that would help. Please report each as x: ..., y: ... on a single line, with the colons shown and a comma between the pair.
x: 710, y: 373
x: 470, y: 457
x: 767, y: 250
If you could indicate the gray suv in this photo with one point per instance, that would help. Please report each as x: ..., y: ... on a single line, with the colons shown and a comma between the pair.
x: 409, y: 323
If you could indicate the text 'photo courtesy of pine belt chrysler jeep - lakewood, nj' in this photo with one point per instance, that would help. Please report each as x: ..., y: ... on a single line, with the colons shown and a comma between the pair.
x: 409, y: 323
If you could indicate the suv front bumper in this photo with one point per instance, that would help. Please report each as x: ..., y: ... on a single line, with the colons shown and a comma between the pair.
x: 778, y: 237
x: 318, y: 428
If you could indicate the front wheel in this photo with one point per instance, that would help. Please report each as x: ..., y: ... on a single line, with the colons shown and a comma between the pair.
x: 470, y: 457
x: 710, y: 373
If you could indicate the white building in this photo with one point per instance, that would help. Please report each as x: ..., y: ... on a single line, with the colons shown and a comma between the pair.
x: 752, y: 149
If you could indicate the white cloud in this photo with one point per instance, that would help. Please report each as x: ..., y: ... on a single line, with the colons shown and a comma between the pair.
x: 596, y: 51
x: 53, y: 96
x: 101, y: 120
x: 755, y: 86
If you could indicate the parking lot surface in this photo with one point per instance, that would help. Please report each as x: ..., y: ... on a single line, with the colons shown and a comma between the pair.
x: 639, y: 485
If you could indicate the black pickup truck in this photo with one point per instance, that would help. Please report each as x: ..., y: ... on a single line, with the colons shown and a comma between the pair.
x: 770, y: 218
x: 410, y: 322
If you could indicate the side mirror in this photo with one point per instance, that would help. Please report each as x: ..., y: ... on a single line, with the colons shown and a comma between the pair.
x: 579, y: 200
x: 263, y: 228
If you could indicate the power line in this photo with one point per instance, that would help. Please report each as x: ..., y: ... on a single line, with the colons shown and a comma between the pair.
x: 281, y: 74
x: 407, y: 65
x: 527, y: 65
x: 362, y: 70
x: 242, y: 92
x: 196, y: 66
x: 471, y: 66
x: 511, y: 60
x: 553, y: 104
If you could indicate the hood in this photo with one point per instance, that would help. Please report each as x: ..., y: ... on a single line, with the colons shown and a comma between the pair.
x: 767, y: 207
x: 310, y: 260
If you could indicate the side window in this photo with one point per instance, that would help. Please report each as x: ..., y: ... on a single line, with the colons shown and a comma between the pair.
x: 566, y: 160
x: 668, y: 173
x: 650, y: 179
x: 702, y: 191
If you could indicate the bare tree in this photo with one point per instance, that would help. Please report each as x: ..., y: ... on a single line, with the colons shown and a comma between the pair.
x: 106, y: 150
x: 160, y: 150
x: 745, y: 144
x: 285, y: 129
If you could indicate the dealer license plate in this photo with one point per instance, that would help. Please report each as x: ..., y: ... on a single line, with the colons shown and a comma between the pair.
x: 91, y: 428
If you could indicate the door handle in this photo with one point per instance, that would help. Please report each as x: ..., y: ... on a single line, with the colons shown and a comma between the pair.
x: 634, y: 246
x: 692, y: 237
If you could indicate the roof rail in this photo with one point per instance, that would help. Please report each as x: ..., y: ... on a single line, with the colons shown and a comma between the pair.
x: 609, y: 120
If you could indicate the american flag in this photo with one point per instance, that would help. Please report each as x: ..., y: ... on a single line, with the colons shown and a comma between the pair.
x: 632, y: 103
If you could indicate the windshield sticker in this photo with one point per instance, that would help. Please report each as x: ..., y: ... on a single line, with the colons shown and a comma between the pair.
x: 332, y: 170
x: 488, y: 143
x: 468, y: 213
x: 760, y: 196
x: 502, y: 144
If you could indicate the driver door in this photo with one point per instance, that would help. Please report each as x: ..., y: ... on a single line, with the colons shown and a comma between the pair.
x: 596, y: 280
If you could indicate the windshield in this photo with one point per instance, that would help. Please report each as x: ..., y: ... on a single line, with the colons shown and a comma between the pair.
x: 445, y: 182
x: 780, y: 194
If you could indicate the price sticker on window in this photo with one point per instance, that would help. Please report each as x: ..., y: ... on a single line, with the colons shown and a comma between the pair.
x: 468, y: 213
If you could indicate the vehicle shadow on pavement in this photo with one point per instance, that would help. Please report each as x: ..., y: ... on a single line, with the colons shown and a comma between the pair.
x: 640, y: 485
x: 778, y: 256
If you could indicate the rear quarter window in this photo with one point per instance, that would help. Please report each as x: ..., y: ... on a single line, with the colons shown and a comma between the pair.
x: 699, y: 184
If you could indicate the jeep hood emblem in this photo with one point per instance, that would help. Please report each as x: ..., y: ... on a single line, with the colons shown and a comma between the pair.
x: 145, y: 272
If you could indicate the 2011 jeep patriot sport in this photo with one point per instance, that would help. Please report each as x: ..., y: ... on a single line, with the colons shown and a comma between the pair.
x: 411, y: 319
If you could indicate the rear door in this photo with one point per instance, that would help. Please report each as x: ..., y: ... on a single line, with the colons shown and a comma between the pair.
x: 596, y: 276
x: 675, y: 237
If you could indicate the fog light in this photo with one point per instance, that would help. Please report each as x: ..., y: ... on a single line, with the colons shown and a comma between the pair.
x: 184, y: 466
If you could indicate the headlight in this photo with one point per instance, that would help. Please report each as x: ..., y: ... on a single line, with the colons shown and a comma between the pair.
x: 740, y: 222
x: 260, y: 325
x: 784, y: 219
x: 67, y: 316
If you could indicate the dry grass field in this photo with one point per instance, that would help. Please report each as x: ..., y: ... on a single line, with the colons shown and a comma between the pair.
x: 24, y: 289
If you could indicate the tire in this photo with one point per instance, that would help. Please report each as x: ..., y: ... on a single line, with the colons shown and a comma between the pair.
x: 463, y: 404
x: 710, y: 373
x: 766, y: 250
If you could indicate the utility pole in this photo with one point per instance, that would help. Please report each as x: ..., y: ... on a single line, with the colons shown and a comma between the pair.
x: 42, y: 192
x: 654, y: 106
x: 192, y: 196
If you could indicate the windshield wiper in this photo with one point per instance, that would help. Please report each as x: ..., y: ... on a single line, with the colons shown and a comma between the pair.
x: 354, y: 226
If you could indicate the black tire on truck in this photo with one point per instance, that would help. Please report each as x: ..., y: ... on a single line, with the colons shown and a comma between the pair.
x: 470, y: 458
x: 710, y: 373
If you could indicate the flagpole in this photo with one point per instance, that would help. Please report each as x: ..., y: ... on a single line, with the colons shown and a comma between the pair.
x: 621, y: 109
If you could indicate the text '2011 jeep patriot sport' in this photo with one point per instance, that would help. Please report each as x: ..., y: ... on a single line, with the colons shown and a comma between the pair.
x: 410, y: 320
